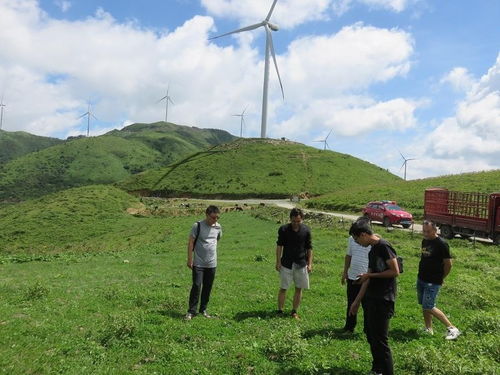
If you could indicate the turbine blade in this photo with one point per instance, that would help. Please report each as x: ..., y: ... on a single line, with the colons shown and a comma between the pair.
x: 328, y: 134
x: 244, y: 110
x: 251, y: 27
x: 271, y: 10
x: 94, y: 116
x: 402, y: 165
x: 402, y: 155
x: 85, y: 114
x: 162, y: 98
x: 170, y: 100
x: 327, y: 145
x: 271, y: 46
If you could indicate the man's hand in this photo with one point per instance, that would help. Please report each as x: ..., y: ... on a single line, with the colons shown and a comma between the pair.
x: 354, y: 308
x: 309, y: 268
x: 190, y: 264
x: 278, y: 267
x: 363, y: 277
x: 343, y: 278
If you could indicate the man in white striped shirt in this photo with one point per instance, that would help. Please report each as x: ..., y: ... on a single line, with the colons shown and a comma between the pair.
x: 355, y: 263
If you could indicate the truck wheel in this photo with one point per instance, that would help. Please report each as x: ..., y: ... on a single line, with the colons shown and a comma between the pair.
x: 496, y: 239
x: 447, y: 232
x: 386, y: 222
x: 406, y: 226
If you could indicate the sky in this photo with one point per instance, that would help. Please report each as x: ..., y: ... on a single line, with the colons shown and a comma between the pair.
x: 418, y: 78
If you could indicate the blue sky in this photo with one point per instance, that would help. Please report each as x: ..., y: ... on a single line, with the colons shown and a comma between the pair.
x: 419, y: 77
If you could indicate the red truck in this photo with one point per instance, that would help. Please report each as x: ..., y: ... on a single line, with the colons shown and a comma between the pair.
x: 467, y: 214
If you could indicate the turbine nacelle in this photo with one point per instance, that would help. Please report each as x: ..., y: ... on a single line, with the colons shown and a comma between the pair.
x: 273, y: 26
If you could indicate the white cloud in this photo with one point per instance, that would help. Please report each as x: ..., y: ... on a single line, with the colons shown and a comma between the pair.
x: 470, y: 140
x: 460, y: 79
x: 287, y: 14
x: 63, y: 5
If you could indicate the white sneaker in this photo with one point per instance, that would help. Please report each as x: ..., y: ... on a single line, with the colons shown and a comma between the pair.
x: 188, y: 316
x: 453, y: 333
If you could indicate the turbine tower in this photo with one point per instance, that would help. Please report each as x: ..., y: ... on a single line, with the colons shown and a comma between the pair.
x: 404, y: 163
x: 2, y: 105
x: 268, y: 27
x: 88, y: 114
x: 167, y: 99
x: 325, y: 140
x: 242, y: 116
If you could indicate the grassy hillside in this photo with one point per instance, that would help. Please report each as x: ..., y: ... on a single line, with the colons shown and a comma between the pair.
x: 79, y: 162
x: 104, y: 159
x: 78, y: 218
x: 173, y: 141
x: 409, y: 194
x: 121, y: 312
x: 16, y: 144
x: 258, y: 168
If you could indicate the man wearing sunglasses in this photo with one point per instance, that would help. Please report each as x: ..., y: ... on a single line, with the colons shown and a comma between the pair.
x: 203, y: 244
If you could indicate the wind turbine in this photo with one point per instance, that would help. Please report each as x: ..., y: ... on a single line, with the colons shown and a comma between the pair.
x: 404, y: 163
x: 167, y: 99
x: 325, y: 140
x: 88, y: 114
x: 2, y: 105
x: 268, y: 26
x: 242, y: 116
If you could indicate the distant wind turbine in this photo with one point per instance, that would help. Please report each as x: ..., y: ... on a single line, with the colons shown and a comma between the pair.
x: 88, y: 114
x: 2, y: 105
x: 268, y: 26
x: 167, y: 99
x: 404, y: 163
x: 242, y: 121
x: 325, y: 140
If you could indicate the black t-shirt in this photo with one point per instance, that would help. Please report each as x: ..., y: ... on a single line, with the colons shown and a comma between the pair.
x: 377, y: 262
x: 431, y: 266
x: 295, y: 244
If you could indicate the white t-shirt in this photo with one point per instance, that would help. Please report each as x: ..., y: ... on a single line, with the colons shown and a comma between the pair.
x: 359, y: 259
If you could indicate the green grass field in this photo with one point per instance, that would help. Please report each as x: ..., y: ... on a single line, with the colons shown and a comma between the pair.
x: 113, y: 302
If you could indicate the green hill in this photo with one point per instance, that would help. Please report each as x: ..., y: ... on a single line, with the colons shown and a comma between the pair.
x: 173, y: 141
x: 409, y: 194
x: 257, y: 168
x: 82, y: 216
x: 104, y: 159
x: 16, y: 144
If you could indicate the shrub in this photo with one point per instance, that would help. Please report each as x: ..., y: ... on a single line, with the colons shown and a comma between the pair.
x: 35, y: 292
x: 286, y: 344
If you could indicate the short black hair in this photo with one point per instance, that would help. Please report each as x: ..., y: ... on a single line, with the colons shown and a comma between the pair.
x: 360, y: 226
x: 296, y: 212
x: 430, y: 222
x: 212, y: 210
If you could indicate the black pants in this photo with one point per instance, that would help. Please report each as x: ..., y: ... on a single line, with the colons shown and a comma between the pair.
x: 352, y: 292
x: 203, y: 279
x: 378, y: 314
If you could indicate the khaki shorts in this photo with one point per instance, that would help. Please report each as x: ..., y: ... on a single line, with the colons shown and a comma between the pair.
x: 298, y: 275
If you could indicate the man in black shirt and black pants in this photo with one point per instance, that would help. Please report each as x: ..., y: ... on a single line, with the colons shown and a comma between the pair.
x: 379, y: 292
x: 293, y: 259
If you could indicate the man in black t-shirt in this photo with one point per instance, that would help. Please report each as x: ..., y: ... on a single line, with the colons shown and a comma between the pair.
x: 378, y: 288
x: 293, y: 259
x: 434, y: 266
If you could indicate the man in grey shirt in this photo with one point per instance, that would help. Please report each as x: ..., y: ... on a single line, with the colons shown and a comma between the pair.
x: 203, y: 243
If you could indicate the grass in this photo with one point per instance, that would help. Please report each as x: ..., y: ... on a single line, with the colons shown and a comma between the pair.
x: 16, y: 144
x: 109, y: 308
x: 96, y: 160
x: 408, y: 194
x: 257, y: 168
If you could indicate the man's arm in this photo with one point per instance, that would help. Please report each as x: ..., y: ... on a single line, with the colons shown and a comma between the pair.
x: 309, y: 257
x: 389, y: 273
x: 446, y: 266
x: 347, y: 264
x: 190, y: 249
x: 279, y: 252
x: 355, y: 305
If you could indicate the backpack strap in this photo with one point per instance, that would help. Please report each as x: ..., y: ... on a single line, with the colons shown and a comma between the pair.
x: 197, y: 234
